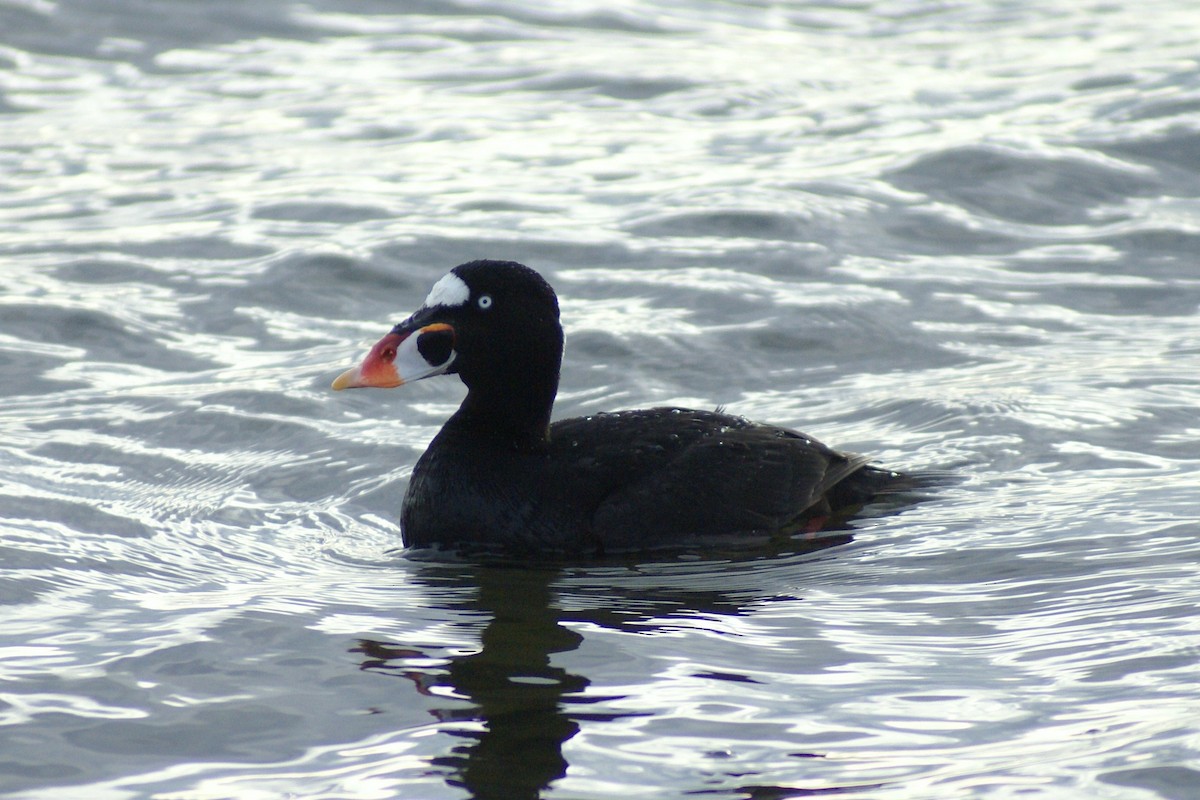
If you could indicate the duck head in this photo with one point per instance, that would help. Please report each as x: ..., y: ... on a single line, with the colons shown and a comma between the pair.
x: 493, y: 323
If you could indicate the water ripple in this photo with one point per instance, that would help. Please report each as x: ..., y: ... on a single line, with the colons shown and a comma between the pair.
x: 957, y: 238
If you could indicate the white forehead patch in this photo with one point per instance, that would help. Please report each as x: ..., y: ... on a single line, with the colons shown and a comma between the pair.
x: 449, y: 291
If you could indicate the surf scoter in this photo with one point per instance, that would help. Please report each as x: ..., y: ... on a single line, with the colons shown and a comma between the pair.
x: 501, y: 476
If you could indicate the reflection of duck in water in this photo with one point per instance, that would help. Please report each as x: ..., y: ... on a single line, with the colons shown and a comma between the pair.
x: 499, y: 475
x: 521, y: 699
x: 510, y: 707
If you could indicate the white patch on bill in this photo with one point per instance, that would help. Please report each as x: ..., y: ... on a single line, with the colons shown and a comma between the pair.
x: 449, y: 291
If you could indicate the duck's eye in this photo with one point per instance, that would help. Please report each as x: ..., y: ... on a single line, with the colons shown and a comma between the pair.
x: 484, y: 302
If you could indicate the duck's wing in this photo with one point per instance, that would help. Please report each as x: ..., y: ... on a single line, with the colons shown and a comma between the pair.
x: 671, y: 475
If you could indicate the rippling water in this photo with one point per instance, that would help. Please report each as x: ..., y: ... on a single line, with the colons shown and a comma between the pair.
x: 960, y: 237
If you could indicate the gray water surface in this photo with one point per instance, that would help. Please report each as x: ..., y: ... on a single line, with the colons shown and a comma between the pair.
x: 959, y: 237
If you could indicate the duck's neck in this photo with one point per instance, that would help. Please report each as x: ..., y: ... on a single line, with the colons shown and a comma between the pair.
x: 511, y: 388
x: 508, y: 412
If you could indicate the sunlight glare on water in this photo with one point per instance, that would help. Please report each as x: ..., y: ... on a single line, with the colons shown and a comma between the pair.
x: 960, y: 238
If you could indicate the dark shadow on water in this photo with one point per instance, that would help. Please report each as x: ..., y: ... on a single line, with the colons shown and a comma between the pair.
x: 528, y: 707
x: 520, y: 708
x: 519, y: 696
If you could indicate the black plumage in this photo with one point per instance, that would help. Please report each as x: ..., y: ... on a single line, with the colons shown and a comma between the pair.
x: 499, y: 476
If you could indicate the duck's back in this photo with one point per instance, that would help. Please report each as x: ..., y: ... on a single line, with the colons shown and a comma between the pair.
x: 620, y: 481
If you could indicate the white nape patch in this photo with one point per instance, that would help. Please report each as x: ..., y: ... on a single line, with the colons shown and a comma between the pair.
x: 450, y: 290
